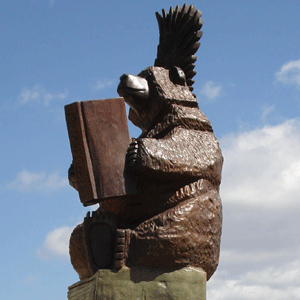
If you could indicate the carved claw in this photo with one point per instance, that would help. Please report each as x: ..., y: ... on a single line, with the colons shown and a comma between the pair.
x: 122, y: 246
x: 132, y: 153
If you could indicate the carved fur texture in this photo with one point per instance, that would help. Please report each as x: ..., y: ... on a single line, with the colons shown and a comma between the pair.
x: 176, y: 217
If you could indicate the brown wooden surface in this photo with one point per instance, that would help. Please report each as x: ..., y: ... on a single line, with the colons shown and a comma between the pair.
x: 81, y: 158
x: 99, y: 138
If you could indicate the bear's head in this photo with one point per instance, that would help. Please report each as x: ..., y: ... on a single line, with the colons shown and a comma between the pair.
x: 151, y: 91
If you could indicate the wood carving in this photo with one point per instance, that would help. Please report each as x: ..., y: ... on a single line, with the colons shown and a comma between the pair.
x: 99, y: 138
x: 175, y: 217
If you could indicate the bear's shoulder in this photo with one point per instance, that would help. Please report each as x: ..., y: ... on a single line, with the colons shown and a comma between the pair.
x: 178, y: 116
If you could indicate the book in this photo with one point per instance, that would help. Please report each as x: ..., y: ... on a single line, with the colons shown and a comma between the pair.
x: 98, y: 134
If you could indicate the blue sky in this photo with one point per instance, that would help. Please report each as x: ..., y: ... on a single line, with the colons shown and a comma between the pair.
x: 55, y: 52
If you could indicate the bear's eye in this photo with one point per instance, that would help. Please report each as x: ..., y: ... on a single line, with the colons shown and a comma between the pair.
x: 177, y: 76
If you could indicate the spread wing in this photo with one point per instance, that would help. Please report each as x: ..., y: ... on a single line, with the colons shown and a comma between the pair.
x: 179, y: 39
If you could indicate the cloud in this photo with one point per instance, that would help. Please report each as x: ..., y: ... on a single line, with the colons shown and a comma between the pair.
x: 56, y: 243
x: 40, y: 95
x: 27, y: 181
x: 101, y: 84
x: 262, y: 166
x: 211, y: 90
x: 278, y: 283
x: 260, y: 191
x: 289, y: 73
x: 239, y: 291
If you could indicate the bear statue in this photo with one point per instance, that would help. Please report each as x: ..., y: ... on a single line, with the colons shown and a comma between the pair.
x: 175, y: 218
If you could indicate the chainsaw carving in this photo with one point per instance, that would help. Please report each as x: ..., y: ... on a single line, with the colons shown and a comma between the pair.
x: 175, y: 218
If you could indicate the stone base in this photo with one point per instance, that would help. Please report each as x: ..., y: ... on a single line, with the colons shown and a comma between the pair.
x: 142, y: 283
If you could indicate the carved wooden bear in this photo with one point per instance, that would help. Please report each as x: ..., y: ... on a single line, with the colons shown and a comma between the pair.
x: 177, y: 162
x: 175, y: 219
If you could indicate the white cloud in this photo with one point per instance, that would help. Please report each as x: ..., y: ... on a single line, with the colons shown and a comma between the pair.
x: 262, y: 166
x: 279, y: 283
x: 245, y: 258
x: 40, y: 95
x: 56, y: 243
x: 235, y: 290
x: 26, y: 181
x: 260, y: 191
x: 101, y: 84
x: 211, y: 90
x: 288, y: 275
x: 289, y: 73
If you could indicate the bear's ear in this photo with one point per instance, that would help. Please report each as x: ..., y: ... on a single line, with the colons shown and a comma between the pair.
x: 177, y: 76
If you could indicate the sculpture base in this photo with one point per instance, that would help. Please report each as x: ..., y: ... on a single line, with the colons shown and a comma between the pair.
x: 142, y: 283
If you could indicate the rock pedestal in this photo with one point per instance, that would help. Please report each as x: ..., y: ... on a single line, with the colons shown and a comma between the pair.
x: 142, y: 283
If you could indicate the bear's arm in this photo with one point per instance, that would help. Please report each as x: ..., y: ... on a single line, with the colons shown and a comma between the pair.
x: 183, y: 152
